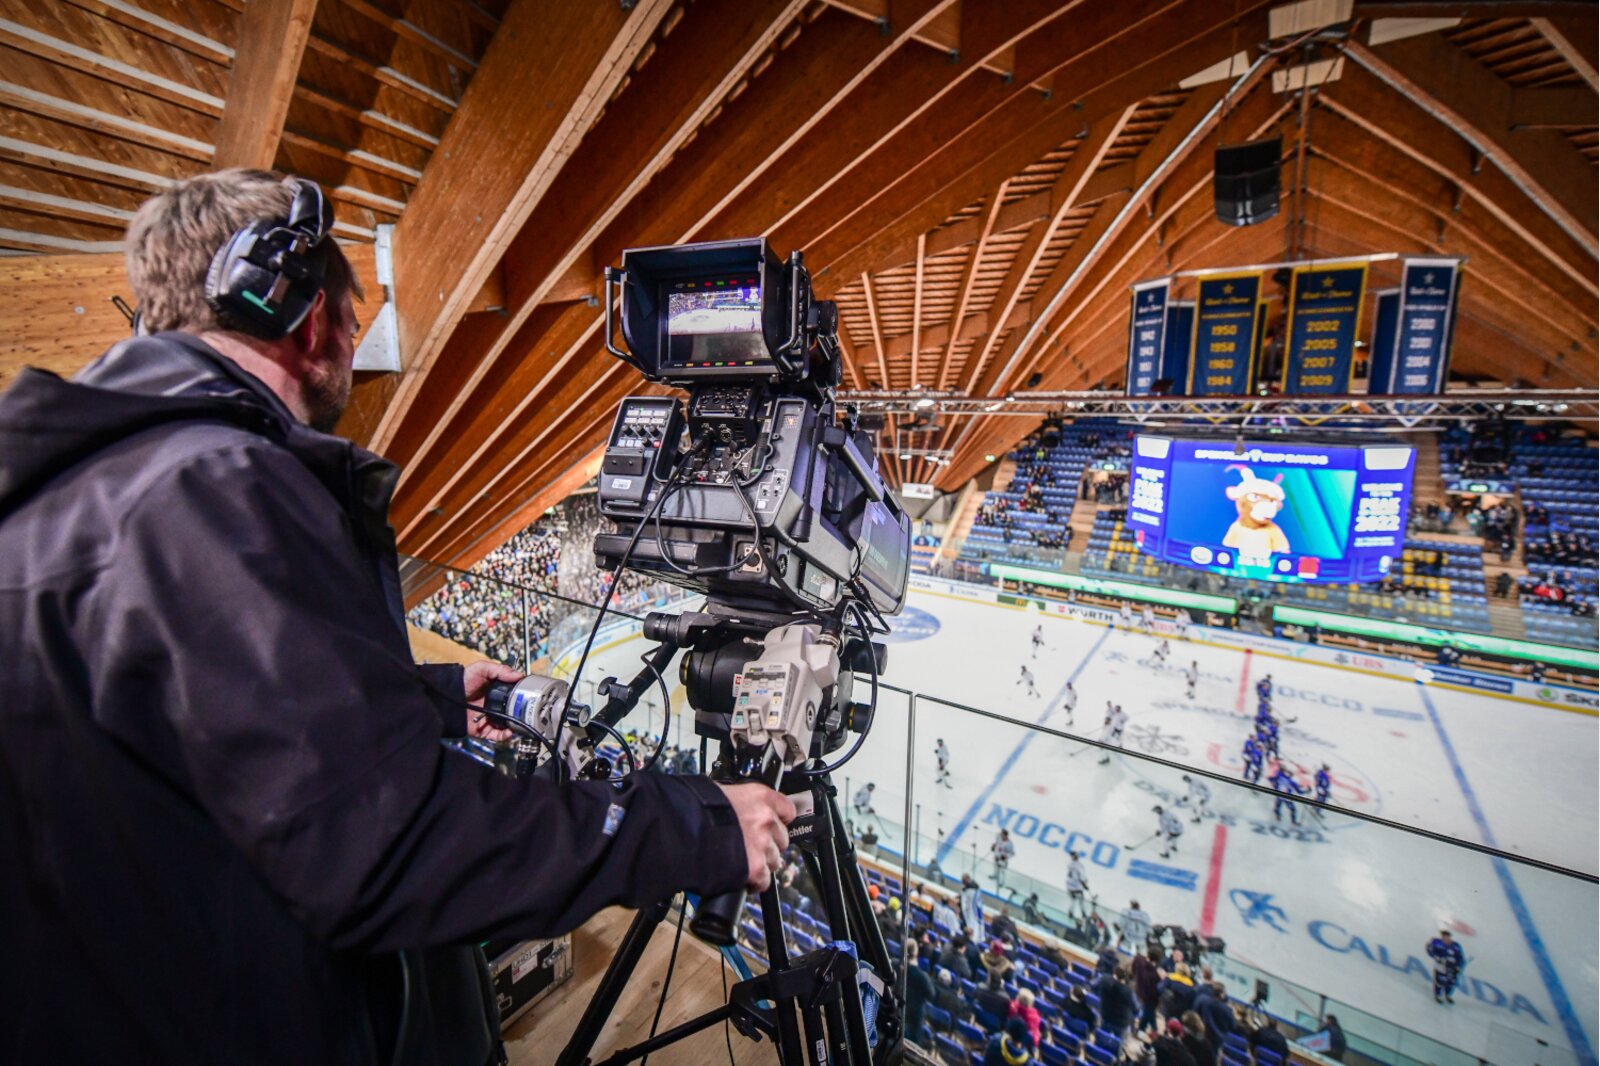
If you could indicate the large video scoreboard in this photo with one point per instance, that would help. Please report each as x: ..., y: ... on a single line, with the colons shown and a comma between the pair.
x: 1275, y: 511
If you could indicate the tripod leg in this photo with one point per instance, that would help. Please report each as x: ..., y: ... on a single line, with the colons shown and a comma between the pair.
x: 616, y: 977
x: 846, y: 926
x: 789, y: 1051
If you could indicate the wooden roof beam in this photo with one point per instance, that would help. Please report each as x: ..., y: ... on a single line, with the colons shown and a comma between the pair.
x: 916, y: 311
x: 1575, y: 39
x: 877, y: 332
x: 1087, y: 156
x: 272, y: 39
x: 614, y: 164
x: 1173, y: 39
x: 958, y: 312
x: 1469, y: 98
x: 568, y: 56
x: 1401, y: 123
x: 1180, y: 139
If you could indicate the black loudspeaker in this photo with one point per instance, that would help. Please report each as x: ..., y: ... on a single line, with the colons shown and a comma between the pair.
x: 1246, y: 181
x: 264, y: 279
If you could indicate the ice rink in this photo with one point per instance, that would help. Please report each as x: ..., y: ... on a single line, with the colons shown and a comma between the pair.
x: 1338, y: 905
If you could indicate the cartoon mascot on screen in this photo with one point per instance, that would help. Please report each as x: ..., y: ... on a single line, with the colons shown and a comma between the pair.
x: 1254, y: 534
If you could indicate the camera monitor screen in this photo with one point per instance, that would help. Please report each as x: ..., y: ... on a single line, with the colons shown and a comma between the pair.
x: 716, y: 323
x: 1279, y: 511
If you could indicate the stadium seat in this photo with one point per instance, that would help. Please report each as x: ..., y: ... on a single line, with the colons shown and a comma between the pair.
x: 951, y: 1052
x: 972, y: 1033
x: 939, y: 1018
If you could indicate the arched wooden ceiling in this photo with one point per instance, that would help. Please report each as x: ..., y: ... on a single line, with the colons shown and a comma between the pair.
x: 977, y: 182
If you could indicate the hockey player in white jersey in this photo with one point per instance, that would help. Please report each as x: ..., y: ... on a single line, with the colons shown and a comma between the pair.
x: 1163, y: 649
x: 1147, y: 619
x: 1127, y: 615
x: 1001, y: 851
x: 1026, y: 678
x: 942, y: 754
x: 1198, y: 798
x: 1038, y: 640
x: 1077, y: 883
x: 1111, y: 732
x: 1069, y: 701
x: 1170, y: 830
x: 1191, y: 677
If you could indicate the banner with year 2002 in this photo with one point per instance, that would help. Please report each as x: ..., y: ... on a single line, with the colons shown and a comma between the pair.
x: 1147, y: 327
x: 1324, y: 322
x: 1222, y: 359
x: 1421, y: 358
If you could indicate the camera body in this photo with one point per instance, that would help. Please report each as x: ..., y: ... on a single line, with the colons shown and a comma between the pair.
x: 755, y: 492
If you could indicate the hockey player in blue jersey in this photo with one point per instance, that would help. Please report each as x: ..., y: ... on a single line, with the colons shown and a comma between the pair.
x: 1448, y: 962
x: 1285, y: 784
x: 1324, y: 783
x: 1264, y: 688
x: 1253, y: 759
x: 1267, y: 736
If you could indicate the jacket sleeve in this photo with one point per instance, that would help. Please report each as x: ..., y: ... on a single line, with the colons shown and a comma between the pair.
x: 239, y: 610
x: 448, y: 691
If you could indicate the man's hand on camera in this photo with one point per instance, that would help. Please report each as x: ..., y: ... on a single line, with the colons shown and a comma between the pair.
x: 763, y: 814
x: 476, y: 681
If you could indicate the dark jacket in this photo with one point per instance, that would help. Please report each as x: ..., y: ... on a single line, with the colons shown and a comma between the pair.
x: 1271, y: 1039
x: 1176, y: 995
x: 919, y: 991
x: 1169, y: 1051
x: 1203, y: 1050
x: 1217, y: 1014
x: 1116, y: 1004
x: 1079, y: 1009
x: 224, y: 804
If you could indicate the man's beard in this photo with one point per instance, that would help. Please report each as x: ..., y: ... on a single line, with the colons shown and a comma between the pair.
x: 326, y: 393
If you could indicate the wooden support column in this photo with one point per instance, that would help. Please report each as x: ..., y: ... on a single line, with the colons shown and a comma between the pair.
x: 266, y: 64
x: 550, y: 69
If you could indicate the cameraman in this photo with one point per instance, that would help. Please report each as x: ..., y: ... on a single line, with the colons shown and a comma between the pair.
x: 228, y: 829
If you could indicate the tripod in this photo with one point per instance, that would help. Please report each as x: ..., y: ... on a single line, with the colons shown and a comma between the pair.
x: 815, y: 996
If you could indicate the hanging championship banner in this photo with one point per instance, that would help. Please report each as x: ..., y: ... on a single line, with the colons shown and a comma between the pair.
x: 1180, y: 331
x: 1147, y: 327
x: 1386, y: 310
x: 1225, y: 320
x: 1324, y: 321
x: 1422, y: 332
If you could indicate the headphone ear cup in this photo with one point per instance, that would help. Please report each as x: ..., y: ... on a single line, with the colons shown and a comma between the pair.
x: 239, y: 289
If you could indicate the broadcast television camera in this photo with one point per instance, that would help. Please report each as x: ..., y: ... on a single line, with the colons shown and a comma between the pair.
x: 761, y: 494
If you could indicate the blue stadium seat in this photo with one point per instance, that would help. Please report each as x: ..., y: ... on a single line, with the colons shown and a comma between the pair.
x: 938, y: 1018
x: 950, y: 1051
x: 972, y: 1033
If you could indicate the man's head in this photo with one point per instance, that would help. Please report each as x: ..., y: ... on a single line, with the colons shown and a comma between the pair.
x: 171, y: 242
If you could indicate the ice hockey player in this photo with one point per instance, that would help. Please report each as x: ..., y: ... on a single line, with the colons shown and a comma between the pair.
x: 1038, y: 639
x: 1253, y: 759
x: 1077, y: 882
x: 1287, y: 787
x: 1267, y: 735
x: 942, y: 754
x: 1182, y: 621
x: 1069, y: 701
x: 863, y: 799
x: 1133, y: 927
x: 1126, y: 611
x: 1264, y: 688
x: 1026, y: 678
x: 1324, y: 783
x: 1198, y: 798
x: 1002, y: 850
x: 1111, y: 732
x: 1191, y: 677
x: 1163, y: 650
x: 1147, y: 619
x: 1170, y: 830
x: 1448, y: 962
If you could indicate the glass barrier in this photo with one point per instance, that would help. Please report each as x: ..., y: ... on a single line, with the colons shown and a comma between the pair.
x: 1299, y: 911
x: 1246, y: 882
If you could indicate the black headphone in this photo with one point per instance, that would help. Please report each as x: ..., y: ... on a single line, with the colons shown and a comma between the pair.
x: 266, y: 276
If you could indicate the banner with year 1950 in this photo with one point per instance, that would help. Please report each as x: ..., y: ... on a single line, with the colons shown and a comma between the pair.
x: 1223, y: 355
